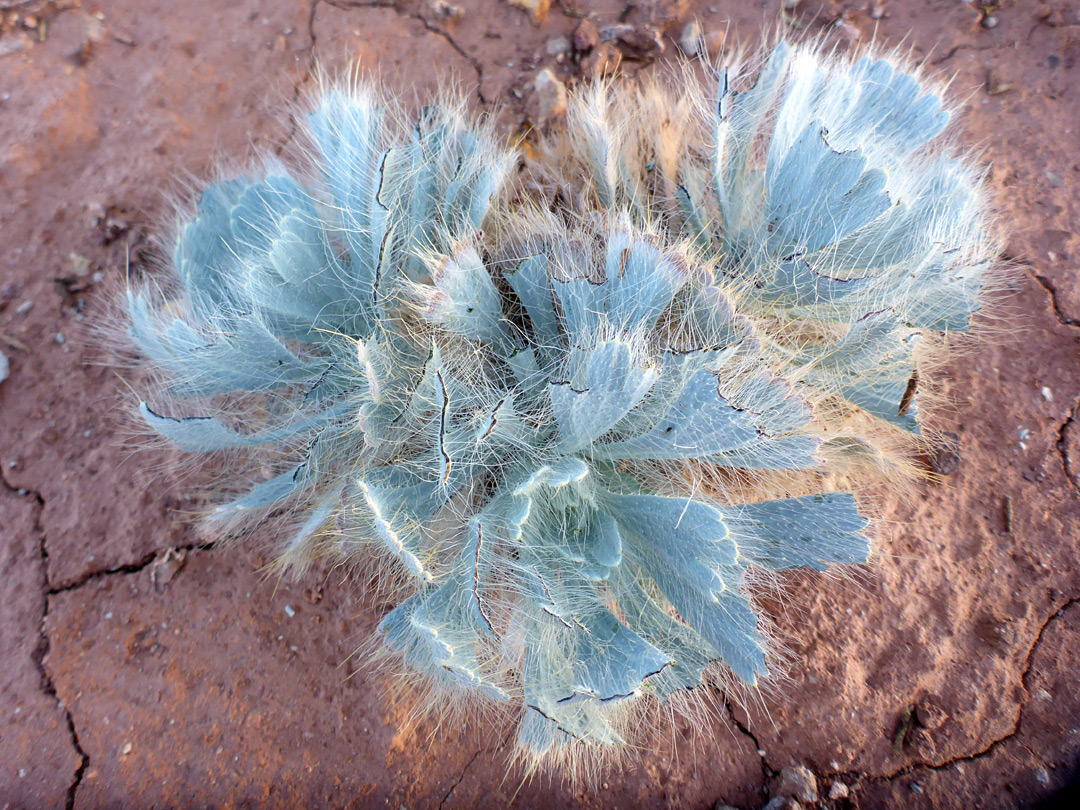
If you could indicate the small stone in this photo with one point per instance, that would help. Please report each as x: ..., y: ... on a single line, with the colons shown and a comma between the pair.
x: 798, y: 782
x: 642, y: 42
x: 916, y: 788
x: 80, y: 265
x: 945, y: 458
x: 665, y: 13
x: 995, y: 85
x: 444, y: 11
x: 5, y: 367
x: 838, y: 790
x: 586, y: 37
x: 602, y: 61
x: 25, y: 307
x: 538, y: 9
x: 126, y: 749
x: 550, y: 97
x: 989, y: 21
x: 1047, y: 394
x: 1042, y: 776
x: 289, y: 611
x: 877, y: 11
x: 929, y: 714
x: 60, y: 338
x: 1054, y: 179
x: 166, y: 567
x: 692, y: 39
x: 558, y: 45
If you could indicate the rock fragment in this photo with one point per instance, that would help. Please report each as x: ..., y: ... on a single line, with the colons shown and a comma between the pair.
x: 549, y: 98
x: 798, y: 782
x: 441, y: 10
x: 586, y: 37
x: 692, y: 39
x: 602, y: 61
x: 558, y: 46
x: 642, y: 42
x: 838, y: 790
x: 538, y: 9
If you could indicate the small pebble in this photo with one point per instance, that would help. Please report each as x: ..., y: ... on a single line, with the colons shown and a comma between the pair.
x: 1042, y: 776
x: 289, y: 611
x: 586, y: 37
x: 445, y: 11
x: 550, y: 97
x: 798, y: 782
x: 916, y: 788
x: 25, y: 307
x: 692, y: 39
x: 838, y: 791
x: 60, y: 338
x: 989, y: 21
x: 126, y: 749
x: 1047, y: 394
x: 5, y: 367
x: 1054, y: 179
x: 80, y: 265
x: 558, y: 45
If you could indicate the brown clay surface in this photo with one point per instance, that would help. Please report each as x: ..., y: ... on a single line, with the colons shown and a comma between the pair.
x: 945, y: 678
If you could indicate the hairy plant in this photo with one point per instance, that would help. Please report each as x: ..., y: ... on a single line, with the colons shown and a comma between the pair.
x: 580, y: 411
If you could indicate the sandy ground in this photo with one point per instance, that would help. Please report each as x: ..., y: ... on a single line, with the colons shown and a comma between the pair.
x: 143, y: 668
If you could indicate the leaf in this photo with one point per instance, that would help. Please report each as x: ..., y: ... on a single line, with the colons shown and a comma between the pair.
x: 204, y: 434
x: 531, y: 284
x: 685, y: 548
x: 398, y: 502
x: 809, y: 532
x: 816, y: 195
x: 639, y: 284
x: 465, y: 301
x: 605, y: 385
x: 437, y: 630
x: 699, y: 423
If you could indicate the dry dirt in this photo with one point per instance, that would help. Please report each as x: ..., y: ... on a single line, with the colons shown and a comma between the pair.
x: 142, y: 669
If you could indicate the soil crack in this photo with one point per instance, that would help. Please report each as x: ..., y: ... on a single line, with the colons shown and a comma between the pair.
x: 477, y: 66
x: 128, y: 568
x: 962, y: 47
x: 41, y: 649
x: 767, y: 772
x: 1063, y: 450
x: 469, y: 764
x: 293, y: 123
x: 989, y: 749
x: 1048, y: 285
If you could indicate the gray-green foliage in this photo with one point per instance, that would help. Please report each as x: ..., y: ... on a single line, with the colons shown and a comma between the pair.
x: 521, y: 414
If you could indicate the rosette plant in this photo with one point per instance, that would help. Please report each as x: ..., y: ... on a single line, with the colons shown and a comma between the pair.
x: 576, y: 412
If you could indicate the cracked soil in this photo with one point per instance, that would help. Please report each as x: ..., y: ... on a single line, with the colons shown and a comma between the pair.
x: 147, y: 666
